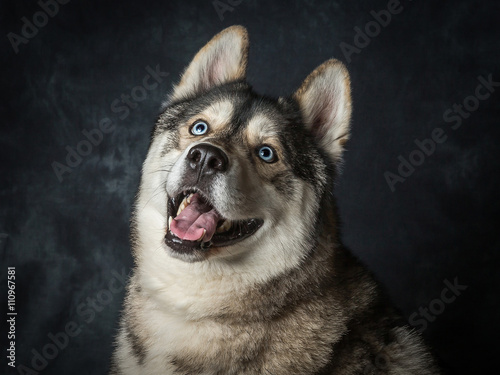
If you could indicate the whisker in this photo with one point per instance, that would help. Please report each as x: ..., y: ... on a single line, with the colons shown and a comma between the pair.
x: 160, y: 170
x: 155, y: 193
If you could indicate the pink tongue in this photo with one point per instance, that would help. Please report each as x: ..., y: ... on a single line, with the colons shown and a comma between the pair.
x: 194, y: 220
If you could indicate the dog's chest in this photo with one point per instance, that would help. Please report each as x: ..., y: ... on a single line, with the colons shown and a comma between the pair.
x: 203, y: 347
x: 211, y: 346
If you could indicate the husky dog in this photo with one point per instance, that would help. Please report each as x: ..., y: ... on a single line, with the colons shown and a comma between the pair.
x: 238, y: 264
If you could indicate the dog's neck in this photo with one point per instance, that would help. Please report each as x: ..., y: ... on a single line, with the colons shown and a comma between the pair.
x: 182, y: 286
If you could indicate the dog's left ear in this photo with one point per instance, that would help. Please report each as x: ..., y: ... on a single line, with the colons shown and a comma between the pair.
x: 223, y: 59
x: 325, y: 102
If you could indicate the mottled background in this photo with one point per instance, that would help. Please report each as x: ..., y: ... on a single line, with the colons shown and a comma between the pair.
x: 68, y: 236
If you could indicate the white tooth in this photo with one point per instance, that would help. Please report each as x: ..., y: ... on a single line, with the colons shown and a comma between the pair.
x: 185, y: 202
x: 203, y: 235
x: 170, y: 221
x: 182, y: 206
x: 226, y: 225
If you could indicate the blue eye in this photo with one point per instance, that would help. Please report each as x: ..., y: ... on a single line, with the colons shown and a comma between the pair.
x: 199, y: 128
x: 267, y: 154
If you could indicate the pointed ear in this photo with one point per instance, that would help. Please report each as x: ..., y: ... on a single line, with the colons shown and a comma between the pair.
x: 325, y: 102
x: 222, y: 60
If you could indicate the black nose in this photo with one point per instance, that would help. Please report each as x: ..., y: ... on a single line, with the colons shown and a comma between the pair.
x: 207, y: 159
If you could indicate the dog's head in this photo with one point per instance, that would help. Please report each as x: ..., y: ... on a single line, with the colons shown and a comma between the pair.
x: 235, y: 177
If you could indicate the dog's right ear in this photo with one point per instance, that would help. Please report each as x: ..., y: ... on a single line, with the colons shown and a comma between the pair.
x: 222, y: 60
x: 325, y: 102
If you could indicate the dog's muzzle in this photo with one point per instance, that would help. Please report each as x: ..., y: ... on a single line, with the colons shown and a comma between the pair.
x: 194, y: 223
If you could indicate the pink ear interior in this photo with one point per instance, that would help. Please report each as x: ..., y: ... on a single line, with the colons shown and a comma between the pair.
x: 221, y: 60
x: 323, y: 114
x: 216, y: 72
x: 324, y: 98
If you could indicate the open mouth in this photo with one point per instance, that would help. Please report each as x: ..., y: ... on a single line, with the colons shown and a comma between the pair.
x: 194, y: 224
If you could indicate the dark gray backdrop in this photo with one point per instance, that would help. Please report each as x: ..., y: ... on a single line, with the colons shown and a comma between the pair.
x: 67, y: 236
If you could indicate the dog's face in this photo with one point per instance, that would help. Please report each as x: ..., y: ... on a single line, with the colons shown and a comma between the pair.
x: 232, y: 176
